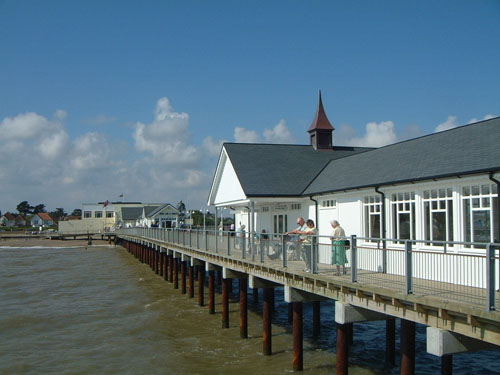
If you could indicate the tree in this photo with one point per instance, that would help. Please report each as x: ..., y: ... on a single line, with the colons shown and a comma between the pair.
x: 39, y: 208
x: 182, y: 211
x: 24, y: 208
x: 77, y: 212
x: 58, y: 214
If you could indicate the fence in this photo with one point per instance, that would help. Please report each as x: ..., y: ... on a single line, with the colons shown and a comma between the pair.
x: 409, y: 266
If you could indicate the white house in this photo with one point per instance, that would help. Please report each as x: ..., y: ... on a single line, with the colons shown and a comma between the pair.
x: 7, y: 220
x: 442, y: 186
x: 41, y: 219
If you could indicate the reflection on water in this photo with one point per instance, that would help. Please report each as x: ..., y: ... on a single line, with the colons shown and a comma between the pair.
x: 77, y: 311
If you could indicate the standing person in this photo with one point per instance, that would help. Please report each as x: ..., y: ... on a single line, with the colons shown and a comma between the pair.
x: 301, y: 228
x: 339, y: 257
x: 240, y: 234
x: 231, y: 229
x: 308, y: 245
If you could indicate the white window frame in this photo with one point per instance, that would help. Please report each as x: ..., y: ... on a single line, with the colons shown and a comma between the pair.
x: 440, y: 200
x: 372, y: 206
x: 404, y: 202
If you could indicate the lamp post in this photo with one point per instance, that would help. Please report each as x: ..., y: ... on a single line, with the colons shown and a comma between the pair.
x: 204, y: 212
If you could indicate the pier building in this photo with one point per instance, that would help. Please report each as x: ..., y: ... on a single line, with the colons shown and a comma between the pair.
x: 421, y: 218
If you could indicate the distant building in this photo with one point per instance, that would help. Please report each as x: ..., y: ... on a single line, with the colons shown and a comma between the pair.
x: 20, y: 221
x: 42, y: 219
x: 7, y: 220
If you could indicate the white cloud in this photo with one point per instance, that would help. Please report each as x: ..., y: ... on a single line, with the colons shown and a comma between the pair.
x: 167, y: 137
x: 376, y: 135
x: 278, y: 134
x: 60, y: 114
x: 487, y: 117
x: 213, y: 147
x: 450, y: 123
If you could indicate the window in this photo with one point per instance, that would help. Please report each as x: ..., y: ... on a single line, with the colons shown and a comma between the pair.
x: 403, y: 216
x: 98, y: 214
x: 480, y: 214
x: 265, y: 209
x: 280, y: 223
x: 296, y: 206
x: 438, y: 214
x: 109, y: 214
x: 332, y: 203
x: 87, y: 214
x: 372, y: 208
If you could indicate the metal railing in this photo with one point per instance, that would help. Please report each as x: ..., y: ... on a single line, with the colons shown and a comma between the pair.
x: 409, y: 266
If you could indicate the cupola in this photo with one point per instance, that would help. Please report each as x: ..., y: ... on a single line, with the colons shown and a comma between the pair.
x: 320, y: 131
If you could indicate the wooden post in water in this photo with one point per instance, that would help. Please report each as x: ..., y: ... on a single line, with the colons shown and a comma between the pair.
x: 171, y: 267
x: 211, y: 292
x: 316, y: 318
x: 201, y: 285
x: 390, y: 341
x: 407, y: 347
x: 165, y: 266
x: 243, y: 308
x: 266, y: 321
x: 342, y: 349
x: 298, y: 336
x: 447, y: 364
x: 176, y: 273
x: 225, y: 303
x: 162, y: 258
x: 157, y: 261
x: 191, y: 281
x: 183, y: 276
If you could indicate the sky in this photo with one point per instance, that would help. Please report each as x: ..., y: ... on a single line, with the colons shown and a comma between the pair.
x: 103, y: 98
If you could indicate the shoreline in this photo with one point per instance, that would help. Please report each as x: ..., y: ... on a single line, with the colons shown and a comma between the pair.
x: 47, y: 243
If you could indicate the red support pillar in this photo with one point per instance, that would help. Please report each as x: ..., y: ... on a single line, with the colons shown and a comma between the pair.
x: 211, y: 292
x: 201, y: 284
x: 176, y: 273
x: 243, y: 309
x: 390, y: 341
x: 171, y: 268
x: 407, y: 347
x: 157, y: 261
x: 225, y: 303
x: 342, y: 349
x: 162, y: 258
x: 447, y: 364
x: 298, y: 336
x: 165, y: 266
x: 316, y: 318
x: 266, y: 321
x: 183, y: 277
x: 191, y: 281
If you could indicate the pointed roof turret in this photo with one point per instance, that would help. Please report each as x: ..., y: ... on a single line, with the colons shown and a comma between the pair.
x: 320, y: 131
x: 320, y: 120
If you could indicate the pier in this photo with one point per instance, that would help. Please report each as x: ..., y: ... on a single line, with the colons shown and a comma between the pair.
x: 454, y: 294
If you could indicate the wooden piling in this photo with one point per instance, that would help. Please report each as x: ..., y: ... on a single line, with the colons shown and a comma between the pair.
x: 447, y: 364
x: 211, y: 292
x: 266, y: 321
x: 298, y: 336
x: 176, y: 273
x: 171, y: 268
x: 390, y: 341
x: 162, y: 259
x: 316, y: 318
x: 191, y: 281
x: 407, y: 347
x: 342, y: 349
x: 243, y: 309
x: 201, y: 285
x: 165, y: 266
x: 183, y: 277
x: 225, y: 303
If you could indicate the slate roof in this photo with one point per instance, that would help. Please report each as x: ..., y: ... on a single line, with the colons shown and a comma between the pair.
x: 149, y: 209
x: 160, y: 208
x: 280, y: 170
x: 468, y: 149
x: 131, y: 213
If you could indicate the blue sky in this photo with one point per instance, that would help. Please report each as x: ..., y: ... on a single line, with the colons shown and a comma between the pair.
x: 99, y: 98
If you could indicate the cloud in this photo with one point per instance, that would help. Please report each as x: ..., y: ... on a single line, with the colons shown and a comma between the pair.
x: 213, y: 147
x: 278, y: 134
x: 376, y: 135
x: 487, y: 117
x: 450, y: 123
x: 167, y: 138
